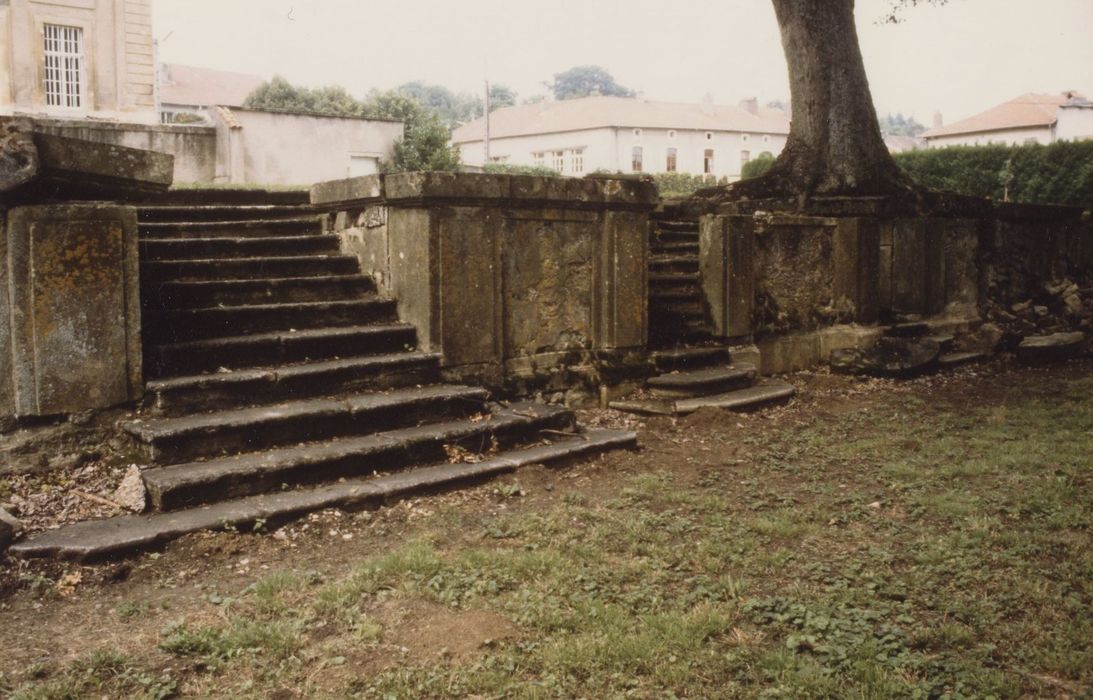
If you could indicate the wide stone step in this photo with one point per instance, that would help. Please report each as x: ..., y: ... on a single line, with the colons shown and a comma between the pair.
x: 702, y: 382
x: 689, y: 293
x: 673, y: 280
x: 229, y: 197
x: 690, y: 358
x: 117, y: 536
x: 170, y: 440
x: 184, y: 485
x: 750, y: 399
x: 676, y: 225
x: 229, y: 248
x: 248, y: 268
x: 198, y: 324
x: 203, y: 392
x: 205, y: 293
x: 267, y: 228
x: 662, y: 264
x: 265, y: 349
x: 674, y: 248
x: 194, y: 214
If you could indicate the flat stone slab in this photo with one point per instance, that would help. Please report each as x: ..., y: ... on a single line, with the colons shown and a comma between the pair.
x: 892, y: 356
x: 115, y: 536
x: 749, y: 399
x: 706, y: 380
x: 1042, y: 349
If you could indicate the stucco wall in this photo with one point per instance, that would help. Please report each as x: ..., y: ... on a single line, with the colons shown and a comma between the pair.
x: 119, y: 56
x: 293, y: 149
x: 1075, y: 123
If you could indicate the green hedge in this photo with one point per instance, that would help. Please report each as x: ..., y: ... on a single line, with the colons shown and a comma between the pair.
x: 1061, y: 173
x: 683, y: 184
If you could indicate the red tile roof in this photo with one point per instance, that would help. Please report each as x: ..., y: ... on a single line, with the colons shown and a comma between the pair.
x: 598, y: 112
x: 204, y: 87
x: 1027, y: 111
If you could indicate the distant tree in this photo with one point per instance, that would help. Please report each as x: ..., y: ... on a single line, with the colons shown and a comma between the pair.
x: 900, y: 125
x: 501, y: 96
x: 424, y: 145
x: 453, y: 108
x: 280, y: 95
x: 582, y: 81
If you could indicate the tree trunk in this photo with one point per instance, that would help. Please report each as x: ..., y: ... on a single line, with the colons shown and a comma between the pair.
x: 835, y: 145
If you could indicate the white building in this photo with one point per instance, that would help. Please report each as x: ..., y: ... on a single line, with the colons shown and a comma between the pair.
x: 620, y: 134
x: 1030, y: 118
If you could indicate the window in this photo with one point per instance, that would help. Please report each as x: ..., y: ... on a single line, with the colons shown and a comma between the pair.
x: 745, y: 156
x: 766, y: 139
x: 707, y: 161
x: 709, y: 136
x: 578, y: 160
x: 539, y: 159
x: 637, y: 132
x: 671, y: 164
x: 559, y: 161
x: 635, y: 160
x: 672, y: 134
x: 745, y: 138
x: 64, y: 65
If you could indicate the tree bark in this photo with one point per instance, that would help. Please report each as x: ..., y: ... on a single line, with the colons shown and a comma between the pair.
x: 835, y: 145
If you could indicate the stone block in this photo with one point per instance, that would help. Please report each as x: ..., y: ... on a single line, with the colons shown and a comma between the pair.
x: 72, y: 276
x: 1044, y: 349
x: 572, y: 191
x: 69, y: 169
x: 726, y: 253
x: 909, y: 266
x: 350, y: 190
x: 10, y: 529
x: 416, y: 187
x: 787, y: 353
x: 469, y: 286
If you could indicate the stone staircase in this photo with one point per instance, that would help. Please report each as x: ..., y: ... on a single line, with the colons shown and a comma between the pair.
x: 694, y: 369
x: 280, y: 381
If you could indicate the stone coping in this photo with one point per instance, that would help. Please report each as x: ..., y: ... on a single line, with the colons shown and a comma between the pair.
x: 48, y: 123
x: 483, y: 188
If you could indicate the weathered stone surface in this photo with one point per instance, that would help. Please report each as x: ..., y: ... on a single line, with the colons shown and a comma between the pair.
x: 36, y: 166
x: 104, y: 538
x: 351, y: 190
x: 1042, y: 349
x: 131, y: 493
x: 74, y: 306
x: 10, y: 529
x: 19, y: 163
x: 890, y: 357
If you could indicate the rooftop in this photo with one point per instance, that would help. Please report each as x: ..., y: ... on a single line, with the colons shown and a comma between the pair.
x: 204, y: 87
x: 1027, y: 111
x: 598, y: 112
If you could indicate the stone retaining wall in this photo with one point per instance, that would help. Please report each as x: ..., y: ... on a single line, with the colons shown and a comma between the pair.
x: 525, y: 283
x: 804, y: 286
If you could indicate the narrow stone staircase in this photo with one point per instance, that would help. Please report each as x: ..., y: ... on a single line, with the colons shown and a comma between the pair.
x: 280, y: 382
x: 694, y: 369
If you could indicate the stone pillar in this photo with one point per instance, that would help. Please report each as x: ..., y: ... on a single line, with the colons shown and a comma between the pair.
x: 856, y: 263
x: 70, y: 337
x: 726, y: 249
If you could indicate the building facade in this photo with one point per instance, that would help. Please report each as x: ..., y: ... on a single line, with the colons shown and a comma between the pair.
x: 628, y: 135
x: 76, y: 59
x: 1029, y: 118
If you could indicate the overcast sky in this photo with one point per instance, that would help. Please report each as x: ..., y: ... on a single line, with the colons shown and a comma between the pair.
x: 960, y: 58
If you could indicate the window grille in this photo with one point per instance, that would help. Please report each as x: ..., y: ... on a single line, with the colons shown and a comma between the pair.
x: 670, y: 166
x: 578, y: 160
x: 635, y: 159
x: 64, y: 66
x: 559, y: 161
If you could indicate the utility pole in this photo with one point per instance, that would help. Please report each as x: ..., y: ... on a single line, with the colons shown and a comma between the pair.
x: 487, y: 122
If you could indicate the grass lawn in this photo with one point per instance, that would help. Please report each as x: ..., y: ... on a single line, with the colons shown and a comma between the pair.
x: 874, y: 540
